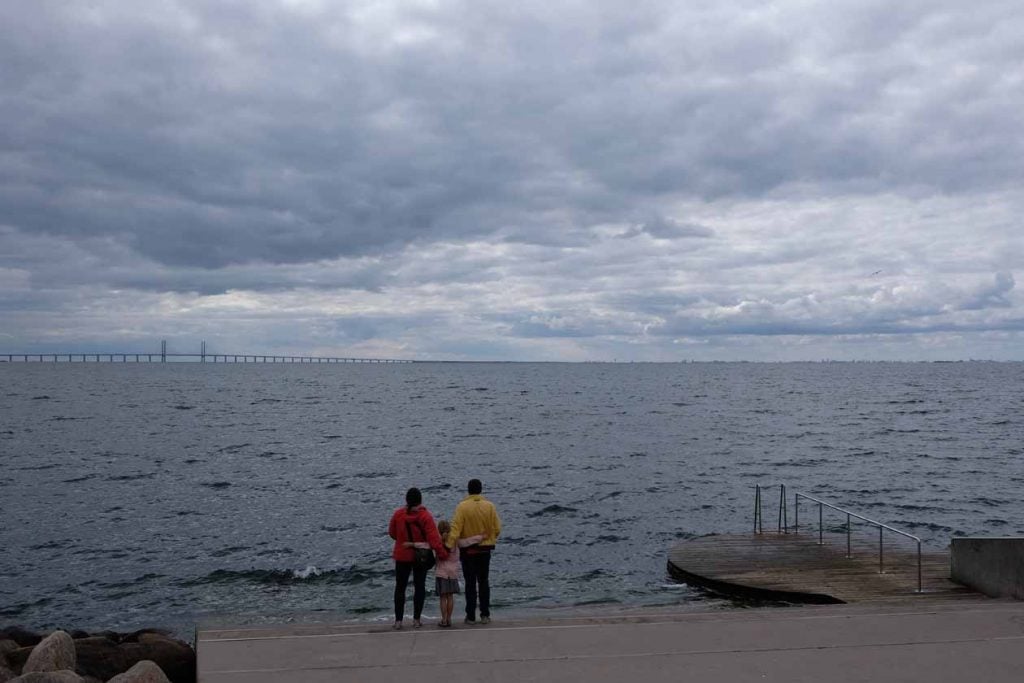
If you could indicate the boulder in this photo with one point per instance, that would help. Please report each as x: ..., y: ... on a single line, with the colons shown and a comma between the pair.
x: 143, y: 672
x: 100, y: 657
x: 48, y: 677
x: 135, y: 635
x: 7, y: 646
x: 21, y: 636
x: 6, y: 674
x: 17, y: 658
x: 175, y: 658
x: 55, y: 652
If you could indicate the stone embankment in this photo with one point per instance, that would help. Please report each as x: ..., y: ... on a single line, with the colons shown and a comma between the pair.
x: 77, y: 657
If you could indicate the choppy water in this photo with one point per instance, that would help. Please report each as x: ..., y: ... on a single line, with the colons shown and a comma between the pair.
x: 158, y: 494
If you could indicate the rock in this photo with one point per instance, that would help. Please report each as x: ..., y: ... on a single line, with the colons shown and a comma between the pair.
x: 17, y: 658
x: 19, y: 635
x: 7, y: 646
x: 134, y: 636
x: 55, y: 652
x: 100, y: 657
x: 63, y: 676
x: 143, y: 672
x: 177, y: 659
x: 90, y: 679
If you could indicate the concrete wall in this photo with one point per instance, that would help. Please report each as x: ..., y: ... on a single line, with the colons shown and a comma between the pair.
x: 993, y: 566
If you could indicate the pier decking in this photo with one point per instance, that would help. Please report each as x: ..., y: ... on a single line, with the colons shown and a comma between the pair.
x: 795, y: 568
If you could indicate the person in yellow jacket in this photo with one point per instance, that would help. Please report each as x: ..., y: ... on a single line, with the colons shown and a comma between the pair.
x: 476, y: 515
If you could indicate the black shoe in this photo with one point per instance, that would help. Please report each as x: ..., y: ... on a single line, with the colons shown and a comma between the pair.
x: 471, y: 622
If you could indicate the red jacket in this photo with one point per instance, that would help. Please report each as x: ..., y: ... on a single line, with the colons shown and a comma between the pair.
x: 421, y: 524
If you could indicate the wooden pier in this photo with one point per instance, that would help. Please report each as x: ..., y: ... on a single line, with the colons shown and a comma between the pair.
x: 796, y: 568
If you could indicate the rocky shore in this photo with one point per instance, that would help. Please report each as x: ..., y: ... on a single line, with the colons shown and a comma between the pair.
x: 146, y: 656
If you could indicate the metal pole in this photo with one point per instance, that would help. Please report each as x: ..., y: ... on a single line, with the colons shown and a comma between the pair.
x: 920, y: 588
x: 821, y: 526
x: 796, y: 513
x: 881, y: 565
x: 760, y: 512
x: 757, y: 503
x: 785, y: 512
x: 848, y: 553
x: 782, y: 499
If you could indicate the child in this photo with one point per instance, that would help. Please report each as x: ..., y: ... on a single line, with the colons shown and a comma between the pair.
x: 447, y: 573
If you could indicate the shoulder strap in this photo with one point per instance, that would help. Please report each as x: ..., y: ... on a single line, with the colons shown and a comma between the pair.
x: 408, y: 531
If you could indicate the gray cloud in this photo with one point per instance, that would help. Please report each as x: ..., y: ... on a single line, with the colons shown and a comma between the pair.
x: 552, y: 180
x: 661, y: 227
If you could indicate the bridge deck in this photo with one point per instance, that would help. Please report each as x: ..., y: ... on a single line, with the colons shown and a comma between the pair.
x: 795, y: 568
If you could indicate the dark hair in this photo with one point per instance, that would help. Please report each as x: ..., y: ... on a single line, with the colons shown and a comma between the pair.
x: 413, y: 497
x: 475, y: 487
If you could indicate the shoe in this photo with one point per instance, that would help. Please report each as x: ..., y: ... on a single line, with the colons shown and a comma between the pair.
x: 485, y: 620
x: 471, y: 622
x: 417, y: 623
x: 397, y: 626
x: 445, y: 624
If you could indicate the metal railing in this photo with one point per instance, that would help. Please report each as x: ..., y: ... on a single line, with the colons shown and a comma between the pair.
x: 850, y: 516
x: 759, y: 513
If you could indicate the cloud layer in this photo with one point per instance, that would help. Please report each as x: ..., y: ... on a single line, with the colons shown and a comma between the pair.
x: 554, y: 181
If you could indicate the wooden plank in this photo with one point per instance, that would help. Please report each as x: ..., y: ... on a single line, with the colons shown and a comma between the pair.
x: 794, y: 567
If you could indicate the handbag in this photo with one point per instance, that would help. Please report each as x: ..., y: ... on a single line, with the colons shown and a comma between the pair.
x: 423, y: 558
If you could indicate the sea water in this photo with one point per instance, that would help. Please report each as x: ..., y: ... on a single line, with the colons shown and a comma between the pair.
x: 162, y: 494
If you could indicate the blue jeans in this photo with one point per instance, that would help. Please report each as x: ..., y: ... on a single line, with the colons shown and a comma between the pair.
x: 476, y: 570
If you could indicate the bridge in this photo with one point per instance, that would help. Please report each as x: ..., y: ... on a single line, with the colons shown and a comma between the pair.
x: 163, y: 357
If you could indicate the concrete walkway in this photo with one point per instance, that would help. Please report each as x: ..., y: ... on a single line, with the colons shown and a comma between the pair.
x: 965, y: 641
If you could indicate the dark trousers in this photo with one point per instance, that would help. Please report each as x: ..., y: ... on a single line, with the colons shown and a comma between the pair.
x: 419, y: 588
x: 476, y: 569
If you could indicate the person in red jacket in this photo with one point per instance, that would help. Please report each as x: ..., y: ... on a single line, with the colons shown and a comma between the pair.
x: 408, y: 525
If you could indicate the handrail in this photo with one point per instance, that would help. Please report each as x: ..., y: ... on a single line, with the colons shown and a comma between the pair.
x: 881, y: 557
x: 759, y: 512
x: 797, y: 495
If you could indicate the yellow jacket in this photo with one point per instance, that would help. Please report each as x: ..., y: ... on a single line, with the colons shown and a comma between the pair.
x: 475, y: 515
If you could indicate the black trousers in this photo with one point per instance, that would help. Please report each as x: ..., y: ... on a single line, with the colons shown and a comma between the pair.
x: 419, y: 588
x: 476, y: 569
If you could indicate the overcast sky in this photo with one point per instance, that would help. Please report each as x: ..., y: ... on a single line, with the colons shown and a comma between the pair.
x: 514, y: 180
